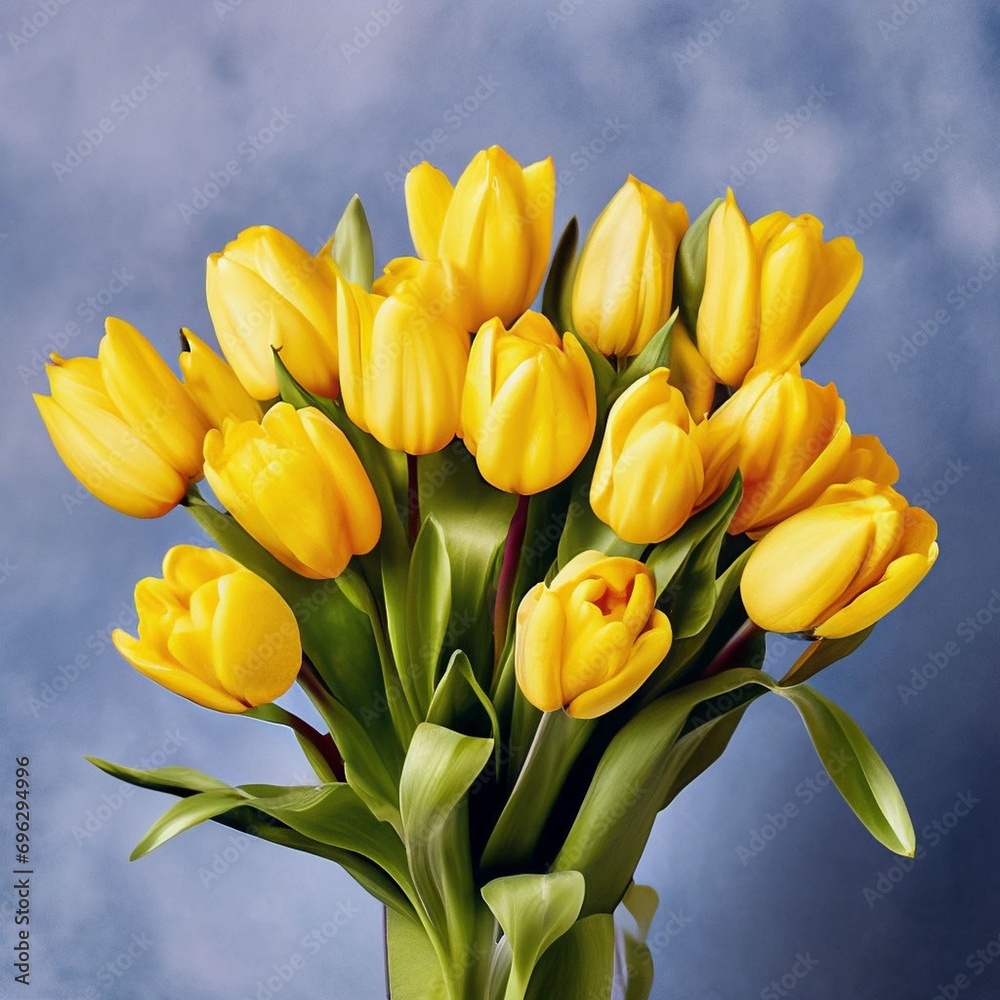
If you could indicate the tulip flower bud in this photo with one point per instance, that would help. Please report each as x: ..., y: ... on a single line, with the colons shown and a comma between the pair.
x: 772, y: 292
x: 788, y: 437
x: 840, y: 565
x: 649, y: 473
x: 867, y: 459
x: 529, y: 409
x: 689, y: 371
x: 623, y: 288
x: 804, y: 286
x: 124, y: 424
x: 265, y: 291
x: 591, y: 638
x: 729, y: 316
x: 213, y: 384
x: 493, y: 230
x: 213, y: 632
x: 294, y: 482
x: 403, y: 361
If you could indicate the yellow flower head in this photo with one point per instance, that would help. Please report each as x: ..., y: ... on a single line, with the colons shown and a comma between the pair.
x: 590, y: 639
x: 213, y: 632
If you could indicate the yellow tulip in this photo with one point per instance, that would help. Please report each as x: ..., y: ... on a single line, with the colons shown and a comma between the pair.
x: 772, y: 292
x: 690, y: 372
x: 804, y: 286
x: 868, y: 459
x: 728, y: 327
x: 623, y: 288
x: 493, y: 230
x: 649, y: 472
x: 213, y: 384
x: 839, y: 566
x: 265, y: 291
x: 529, y: 408
x: 591, y: 638
x: 294, y: 482
x: 124, y: 424
x: 403, y: 361
x: 213, y: 632
x: 788, y: 437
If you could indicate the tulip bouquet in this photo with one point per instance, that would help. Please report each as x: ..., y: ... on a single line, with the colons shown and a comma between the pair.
x: 522, y: 562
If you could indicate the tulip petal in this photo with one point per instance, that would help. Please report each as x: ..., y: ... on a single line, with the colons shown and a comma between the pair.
x: 541, y: 624
x: 428, y: 192
x: 254, y: 639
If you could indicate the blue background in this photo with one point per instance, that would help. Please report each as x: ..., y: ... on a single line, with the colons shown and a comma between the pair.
x: 879, y: 118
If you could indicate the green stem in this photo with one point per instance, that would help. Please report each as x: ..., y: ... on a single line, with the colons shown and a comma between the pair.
x: 508, y: 573
x: 557, y: 744
x: 322, y: 743
x: 403, y: 710
x: 413, y: 498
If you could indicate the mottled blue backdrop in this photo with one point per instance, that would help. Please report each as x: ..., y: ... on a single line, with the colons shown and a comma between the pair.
x: 137, y: 138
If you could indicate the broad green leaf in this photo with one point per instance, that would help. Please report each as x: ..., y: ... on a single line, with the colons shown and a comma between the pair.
x: 578, y: 964
x: 428, y: 607
x: 558, y: 742
x: 558, y: 292
x: 855, y: 768
x: 440, y: 767
x: 185, y: 814
x: 628, y: 788
x: 175, y: 780
x: 656, y: 354
x: 533, y: 910
x: 460, y: 704
x: 185, y: 783
x: 414, y: 969
x: 642, y: 902
x: 474, y: 518
x: 690, y: 266
x: 604, y: 380
x: 352, y: 246
x: 638, y: 972
x: 822, y: 653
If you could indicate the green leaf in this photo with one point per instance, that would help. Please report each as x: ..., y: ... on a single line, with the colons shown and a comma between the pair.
x: 460, y: 704
x: 604, y: 379
x: 414, y: 969
x: 440, y: 767
x: 629, y: 786
x: 185, y: 814
x: 822, y: 653
x: 186, y: 783
x: 533, y: 910
x: 474, y: 518
x: 689, y: 270
x: 638, y: 968
x: 579, y: 964
x: 685, y: 566
x: 428, y: 607
x: 352, y: 246
x: 856, y: 769
x: 642, y: 902
x: 656, y: 354
x: 558, y: 292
